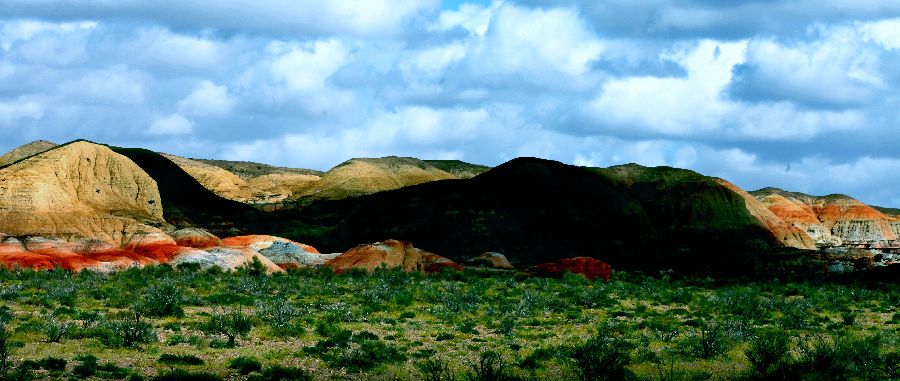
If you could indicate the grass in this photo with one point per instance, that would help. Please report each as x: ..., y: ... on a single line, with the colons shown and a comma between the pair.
x: 312, y: 324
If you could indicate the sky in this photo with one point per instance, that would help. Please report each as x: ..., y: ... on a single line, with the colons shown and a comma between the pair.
x: 797, y: 94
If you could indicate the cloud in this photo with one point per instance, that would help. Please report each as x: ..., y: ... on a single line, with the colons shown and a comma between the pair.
x: 839, y: 62
x: 740, y: 90
x: 356, y: 17
x: 207, y: 99
x: 174, y: 124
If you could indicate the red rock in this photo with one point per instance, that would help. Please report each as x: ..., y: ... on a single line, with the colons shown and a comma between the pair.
x: 196, y: 238
x: 588, y: 267
x: 390, y: 254
x: 259, y: 242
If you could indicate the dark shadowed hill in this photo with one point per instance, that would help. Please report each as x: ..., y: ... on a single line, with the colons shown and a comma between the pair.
x: 536, y: 210
x: 185, y: 201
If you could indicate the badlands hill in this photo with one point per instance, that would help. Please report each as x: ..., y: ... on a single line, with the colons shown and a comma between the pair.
x: 255, y: 183
x: 79, y: 189
x: 24, y: 151
x: 536, y: 210
x: 832, y: 220
x: 86, y: 205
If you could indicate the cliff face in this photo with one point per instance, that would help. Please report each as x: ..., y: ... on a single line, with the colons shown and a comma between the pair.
x: 833, y: 220
x: 77, y: 190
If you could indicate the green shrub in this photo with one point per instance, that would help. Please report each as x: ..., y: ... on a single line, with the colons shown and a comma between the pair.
x: 366, y: 354
x: 130, y: 328
x: 490, y: 367
x: 435, y: 370
x: 231, y: 324
x: 768, y: 353
x: 6, y: 345
x: 707, y: 342
x: 603, y: 357
x: 54, y: 329
x: 161, y: 301
x: 174, y: 359
x: 52, y: 364
x: 245, y: 365
x: 181, y: 375
x: 281, y: 373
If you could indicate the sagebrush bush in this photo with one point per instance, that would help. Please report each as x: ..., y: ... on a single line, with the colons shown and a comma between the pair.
x: 435, y: 370
x: 245, y: 365
x: 602, y: 357
x: 768, y: 353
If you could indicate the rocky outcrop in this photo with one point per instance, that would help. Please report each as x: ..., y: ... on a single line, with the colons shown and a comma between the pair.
x: 79, y: 190
x: 196, y: 238
x: 97, y: 255
x: 590, y: 268
x: 833, y: 220
x: 227, y: 258
x: 491, y: 260
x: 283, y: 252
x: 26, y: 150
x: 390, y: 254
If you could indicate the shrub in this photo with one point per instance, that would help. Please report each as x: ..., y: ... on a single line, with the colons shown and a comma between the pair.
x: 365, y: 355
x: 603, y: 357
x: 435, y: 370
x: 768, y: 353
x: 52, y: 364
x: 231, y: 324
x: 181, y: 375
x: 709, y: 341
x: 281, y: 373
x: 6, y: 346
x: 161, y: 301
x: 278, y: 314
x: 130, y: 328
x: 490, y: 367
x: 55, y: 329
x: 245, y: 365
x: 173, y: 359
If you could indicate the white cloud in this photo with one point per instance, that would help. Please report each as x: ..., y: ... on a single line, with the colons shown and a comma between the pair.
x: 884, y: 32
x: 10, y: 112
x: 517, y: 44
x: 115, y: 85
x: 173, y: 124
x: 208, y: 99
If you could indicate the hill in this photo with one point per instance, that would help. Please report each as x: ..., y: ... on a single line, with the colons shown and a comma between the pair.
x: 25, y: 150
x: 536, y: 210
x: 79, y: 190
x: 832, y: 220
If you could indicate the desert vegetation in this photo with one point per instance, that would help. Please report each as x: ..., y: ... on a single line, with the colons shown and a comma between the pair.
x: 161, y: 323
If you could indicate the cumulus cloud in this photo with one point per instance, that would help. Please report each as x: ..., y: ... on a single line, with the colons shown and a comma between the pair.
x: 208, y: 99
x: 174, y: 124
x: 799, y: 94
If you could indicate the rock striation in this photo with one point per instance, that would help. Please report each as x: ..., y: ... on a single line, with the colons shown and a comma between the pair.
x: 283, y: 252
x: 390, y: 254
x: 79, y: 190
x: 833, y: 220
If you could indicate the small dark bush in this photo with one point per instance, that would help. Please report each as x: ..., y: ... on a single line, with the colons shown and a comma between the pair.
x: 173, y: 359
x: 490, y: 367
x: 181, y: 375
x: 708, y: 342
x: 130, y: 328
x: 768, y: 353
x: 52, y: 364
x: 435, y: 370
x: 245, y: 365
x: 603, y: 357
x: 281, y: 373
